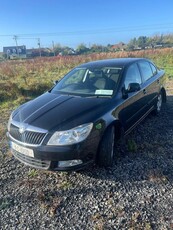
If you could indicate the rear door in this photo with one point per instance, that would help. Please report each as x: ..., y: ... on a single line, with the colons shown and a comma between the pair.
x: 150, y: 83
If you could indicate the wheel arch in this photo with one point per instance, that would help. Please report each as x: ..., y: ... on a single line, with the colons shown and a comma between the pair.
x: 119, y: 130
x: 163, y: 92
x: 102, y: 157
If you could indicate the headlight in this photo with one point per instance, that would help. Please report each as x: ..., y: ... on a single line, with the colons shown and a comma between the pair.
x: 71, y: 136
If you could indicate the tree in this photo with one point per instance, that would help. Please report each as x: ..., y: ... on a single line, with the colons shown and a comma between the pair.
x: 82, y: 49
x: 63, y: 50
x: 142, y: 42
x: 57, y: 49
x: 132, y: 44
x: 98, y: 48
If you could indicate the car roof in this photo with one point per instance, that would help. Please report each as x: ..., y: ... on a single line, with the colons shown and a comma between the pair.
x: 119, y: 62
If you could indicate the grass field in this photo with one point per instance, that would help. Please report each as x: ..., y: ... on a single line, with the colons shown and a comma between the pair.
x: 21, y: 80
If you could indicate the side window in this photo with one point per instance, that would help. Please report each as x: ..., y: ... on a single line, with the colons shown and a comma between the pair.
x: 154, y: 69
x: 132, y: 75
x: 145, y: 70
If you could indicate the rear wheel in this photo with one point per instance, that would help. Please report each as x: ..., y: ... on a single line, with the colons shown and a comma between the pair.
x: 158, y: 105
x: 106, y: 148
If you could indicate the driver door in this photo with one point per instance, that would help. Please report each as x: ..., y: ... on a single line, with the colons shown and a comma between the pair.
x: 133, y: 106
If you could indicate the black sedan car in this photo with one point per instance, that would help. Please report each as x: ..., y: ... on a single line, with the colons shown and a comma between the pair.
x: 78, y: 121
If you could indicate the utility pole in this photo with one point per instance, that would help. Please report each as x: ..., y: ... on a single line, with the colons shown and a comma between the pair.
x: 39, y: 46
x: 53, y: 47
x: 15, y: 38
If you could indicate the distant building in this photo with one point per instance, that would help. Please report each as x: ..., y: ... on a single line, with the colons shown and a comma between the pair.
x: 39, y: 52
x: 13, y: 52
x: 118, y: 47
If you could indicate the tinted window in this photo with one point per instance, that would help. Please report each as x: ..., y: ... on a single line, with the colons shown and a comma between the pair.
x: 145, y: 70
x: 154, y: 69
x: 89, y: 81
x: 132, y: 75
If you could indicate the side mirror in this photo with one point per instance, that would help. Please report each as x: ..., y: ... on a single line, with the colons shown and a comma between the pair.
x: 124, y: 93
x: 133, y: 87
x: 55, y: 82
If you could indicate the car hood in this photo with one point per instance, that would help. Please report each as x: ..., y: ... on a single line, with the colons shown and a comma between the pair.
x: 60, y: 112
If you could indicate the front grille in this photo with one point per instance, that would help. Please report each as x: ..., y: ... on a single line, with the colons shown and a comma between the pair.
x: 28, y: 137
x: 30, y: 161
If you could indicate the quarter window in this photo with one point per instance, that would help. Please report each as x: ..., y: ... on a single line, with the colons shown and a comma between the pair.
x: 145, y: 70
x: 132, y: 75
x: 154, y: 69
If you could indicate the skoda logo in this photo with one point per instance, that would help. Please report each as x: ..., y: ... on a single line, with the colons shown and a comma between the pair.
x: 22, y: 129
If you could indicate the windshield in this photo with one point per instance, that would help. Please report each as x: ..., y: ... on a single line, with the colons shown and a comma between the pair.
x: 90, y: 82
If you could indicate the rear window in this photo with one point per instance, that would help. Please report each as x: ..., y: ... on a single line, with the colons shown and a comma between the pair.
x: 146, y: 70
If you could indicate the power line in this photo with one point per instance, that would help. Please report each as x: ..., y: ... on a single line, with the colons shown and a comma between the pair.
x: 96, y: 31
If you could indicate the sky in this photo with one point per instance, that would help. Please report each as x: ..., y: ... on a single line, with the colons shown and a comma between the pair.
x: 72, y: 22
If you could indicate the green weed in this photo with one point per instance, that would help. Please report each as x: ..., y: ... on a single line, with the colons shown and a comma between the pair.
x: 65, y: 185
x: 32, y: 173
x: 132, y: 146
x: 4, y: 204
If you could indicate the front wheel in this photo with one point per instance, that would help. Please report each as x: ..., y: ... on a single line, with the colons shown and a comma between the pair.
x: 106, y: 148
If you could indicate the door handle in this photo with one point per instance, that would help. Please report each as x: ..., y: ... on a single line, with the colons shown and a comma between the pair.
x: 158, y: 81
x: 144, y: 91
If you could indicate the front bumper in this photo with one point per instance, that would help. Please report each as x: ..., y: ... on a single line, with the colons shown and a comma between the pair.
x: 56, y: 158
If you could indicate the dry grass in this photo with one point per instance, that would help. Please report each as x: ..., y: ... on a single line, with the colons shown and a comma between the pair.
x: 20, y: 79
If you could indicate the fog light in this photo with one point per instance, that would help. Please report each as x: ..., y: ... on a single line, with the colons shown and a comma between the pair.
x: 69, y: 163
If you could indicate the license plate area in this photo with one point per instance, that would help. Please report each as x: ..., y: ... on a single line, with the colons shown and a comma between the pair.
x: 22, y: 150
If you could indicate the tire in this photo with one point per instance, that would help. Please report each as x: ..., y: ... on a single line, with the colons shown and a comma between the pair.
x: 158, y: 105
x: 106, y: 148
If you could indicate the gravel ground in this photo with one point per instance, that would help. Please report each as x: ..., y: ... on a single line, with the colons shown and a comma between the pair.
x: 136, y: 193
